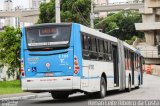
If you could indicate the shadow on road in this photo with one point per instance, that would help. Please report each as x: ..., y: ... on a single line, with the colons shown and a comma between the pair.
x: 79, y: 98
x: 73, y: 99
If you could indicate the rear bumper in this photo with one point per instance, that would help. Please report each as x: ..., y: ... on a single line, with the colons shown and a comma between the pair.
x: 50, y: 83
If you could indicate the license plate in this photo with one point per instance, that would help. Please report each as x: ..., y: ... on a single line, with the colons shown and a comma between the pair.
x: 48, y: 75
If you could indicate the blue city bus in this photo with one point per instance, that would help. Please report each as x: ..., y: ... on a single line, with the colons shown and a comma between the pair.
x: 67, y: 58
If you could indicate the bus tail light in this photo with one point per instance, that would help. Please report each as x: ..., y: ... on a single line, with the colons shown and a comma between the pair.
x: 22, y: 69
x: 22, y: 73
x: 76, y: 65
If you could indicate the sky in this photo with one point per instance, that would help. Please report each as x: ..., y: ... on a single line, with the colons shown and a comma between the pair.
x: 25, y: 3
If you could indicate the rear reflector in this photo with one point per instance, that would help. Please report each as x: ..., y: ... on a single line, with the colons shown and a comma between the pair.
x: 22, y: 74
x: 77, y: 68
x: 76, y: 65
x: 75, y: 71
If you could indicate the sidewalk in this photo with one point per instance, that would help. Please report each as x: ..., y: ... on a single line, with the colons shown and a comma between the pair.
x: 25, y: 95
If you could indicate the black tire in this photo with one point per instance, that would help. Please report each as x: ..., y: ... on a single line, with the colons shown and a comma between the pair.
x: 59, y: 95
x: 103, y: 88
x: 129, y: 85
x: 137, y: 87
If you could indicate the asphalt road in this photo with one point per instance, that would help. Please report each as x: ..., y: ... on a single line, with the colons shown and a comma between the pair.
x: 150, y: 90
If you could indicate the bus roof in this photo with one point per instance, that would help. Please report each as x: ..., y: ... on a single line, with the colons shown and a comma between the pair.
x: 45, y: 24
x: 91, y: 32
x: 132, y: 48
x: 95, y: 32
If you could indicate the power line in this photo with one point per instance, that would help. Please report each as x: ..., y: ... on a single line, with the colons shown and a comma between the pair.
x: 79, y: 12
x: 83, y: 19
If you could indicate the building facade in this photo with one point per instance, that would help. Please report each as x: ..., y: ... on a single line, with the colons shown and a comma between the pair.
x: 36, y: 3
x: 151, y: 22
x: 101, y: 2
x: 8, y: 6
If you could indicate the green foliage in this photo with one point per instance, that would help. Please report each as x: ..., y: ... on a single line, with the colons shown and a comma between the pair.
x: 47, y: 12
x: 130, y: 41
x: 10, y: 87
x: 71, y: 11
x: 9, y: 49
x: 121, y: 24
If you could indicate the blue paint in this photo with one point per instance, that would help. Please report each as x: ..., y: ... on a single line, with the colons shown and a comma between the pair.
x: 61, y: 60
x: 77, y: 46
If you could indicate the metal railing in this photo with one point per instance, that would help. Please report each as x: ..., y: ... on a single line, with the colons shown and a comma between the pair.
x: 118, y: 3
x: 150, y: 53
x: 24, y: 9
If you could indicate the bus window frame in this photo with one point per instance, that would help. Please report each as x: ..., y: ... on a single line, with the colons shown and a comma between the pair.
x: 35, y: 48
x: 97, y: 39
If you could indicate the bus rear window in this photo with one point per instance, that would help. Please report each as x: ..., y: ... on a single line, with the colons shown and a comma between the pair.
x: 48, y: 36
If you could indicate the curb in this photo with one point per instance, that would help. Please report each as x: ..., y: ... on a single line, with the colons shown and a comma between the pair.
x: 30, y: 96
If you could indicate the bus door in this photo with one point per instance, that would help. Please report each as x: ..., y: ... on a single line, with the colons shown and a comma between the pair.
x: 141, y: 70
x: 115, y: 65
x: 132, y: 67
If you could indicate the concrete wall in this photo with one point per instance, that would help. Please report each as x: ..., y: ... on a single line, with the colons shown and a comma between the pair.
x: 8, y: 5
x: 155, y: 69
x: 4, y: 76
x: 34, y: 3
x: 101, y: 2
x: 152, y: 61
x: 151, y: 21
x: 149, y: 35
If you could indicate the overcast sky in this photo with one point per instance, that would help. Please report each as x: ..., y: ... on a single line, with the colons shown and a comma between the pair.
x: 25, y: 3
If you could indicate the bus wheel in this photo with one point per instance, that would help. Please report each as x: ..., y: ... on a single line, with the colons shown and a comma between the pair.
x: 129, y: 85
x: 102, y: 92
x: 59, y: 95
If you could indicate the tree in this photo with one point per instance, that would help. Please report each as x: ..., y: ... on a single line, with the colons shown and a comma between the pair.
x: 121, y: 24
x: 9, y: 49
x: 71, y: 11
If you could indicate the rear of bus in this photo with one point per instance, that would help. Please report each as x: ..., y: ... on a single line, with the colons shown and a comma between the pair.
x: 50, y: 58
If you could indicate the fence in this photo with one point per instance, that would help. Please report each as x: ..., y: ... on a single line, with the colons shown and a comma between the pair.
x: 150, y: 53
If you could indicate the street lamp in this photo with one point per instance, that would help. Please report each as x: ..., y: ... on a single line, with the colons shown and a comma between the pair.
x: 57, y: 8
x: 92, y: 15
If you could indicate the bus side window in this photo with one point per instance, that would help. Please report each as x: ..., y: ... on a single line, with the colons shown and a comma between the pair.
x: 106, y: 55
x: 85, y: 51
x: 129, y: 59
x: 105, y: 46
x: 98, y: 47
x: 101, y: 50
x: 126, y: 65
x: 110, y: 51
x: 89, y: 44
x: 138, y: 61
x: 135, y: 61
x: 94, y: 54
x: 101, y: 46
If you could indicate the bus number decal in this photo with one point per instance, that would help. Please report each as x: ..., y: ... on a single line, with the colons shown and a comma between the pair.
x: 62, y: 58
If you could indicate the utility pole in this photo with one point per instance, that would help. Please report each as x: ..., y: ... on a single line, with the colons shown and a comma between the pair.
x: 58, y: 11
x: 92, y: 15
